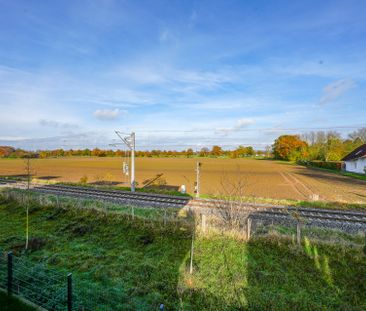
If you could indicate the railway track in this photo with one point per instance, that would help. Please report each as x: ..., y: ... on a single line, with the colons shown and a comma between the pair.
x: 115, y: 195
x: 286, y: 211
x: 207, y: 205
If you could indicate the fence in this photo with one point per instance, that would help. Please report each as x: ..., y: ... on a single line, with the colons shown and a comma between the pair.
x: 252, y: 225
x: 51, y: 289
x: 46, y: 288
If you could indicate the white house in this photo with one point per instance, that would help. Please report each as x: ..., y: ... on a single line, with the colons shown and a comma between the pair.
x: 355, y: 162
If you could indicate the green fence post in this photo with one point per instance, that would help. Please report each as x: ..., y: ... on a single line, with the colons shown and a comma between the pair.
x: 10, y: 273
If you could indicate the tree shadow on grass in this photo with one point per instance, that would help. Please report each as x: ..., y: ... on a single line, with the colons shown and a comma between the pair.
x: 282, y: 276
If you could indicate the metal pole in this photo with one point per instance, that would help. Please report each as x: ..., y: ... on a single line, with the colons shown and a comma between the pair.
x: 198, y: 179
x: 133, y: 162
x: 69, y: 292
x: 10, y: 273
x: 129, y: 141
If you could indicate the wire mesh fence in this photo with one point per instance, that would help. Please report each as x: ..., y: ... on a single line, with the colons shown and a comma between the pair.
x: 53, y: 290
x: 44, y: 287
x: 252, y: 225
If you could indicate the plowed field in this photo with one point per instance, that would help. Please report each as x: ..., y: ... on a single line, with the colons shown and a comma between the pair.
x: 260, y: 178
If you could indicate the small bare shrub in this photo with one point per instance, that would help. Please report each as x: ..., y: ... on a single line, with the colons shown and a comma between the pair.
x: 84, y: 180
x: 231, y: 206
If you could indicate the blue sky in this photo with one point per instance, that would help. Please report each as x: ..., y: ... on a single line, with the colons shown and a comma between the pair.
x: 179, y: 73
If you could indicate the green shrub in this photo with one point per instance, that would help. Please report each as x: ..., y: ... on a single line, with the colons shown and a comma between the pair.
x: 330, y: 165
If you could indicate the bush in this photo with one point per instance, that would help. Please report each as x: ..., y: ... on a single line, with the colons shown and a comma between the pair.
x: 84, y: 180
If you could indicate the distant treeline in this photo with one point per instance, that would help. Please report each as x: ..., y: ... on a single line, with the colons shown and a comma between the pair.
x: 321, y: 146
x: 215, y: 151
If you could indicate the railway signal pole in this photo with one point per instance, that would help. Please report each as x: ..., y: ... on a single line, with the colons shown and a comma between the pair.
x: 197, y: 190
x: 129, y: 141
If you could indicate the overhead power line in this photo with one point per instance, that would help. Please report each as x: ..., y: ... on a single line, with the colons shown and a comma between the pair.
x: 233, y: 130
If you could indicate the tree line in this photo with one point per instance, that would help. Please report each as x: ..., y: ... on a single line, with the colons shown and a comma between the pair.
x: 215, y: 151
x: 320, y: 145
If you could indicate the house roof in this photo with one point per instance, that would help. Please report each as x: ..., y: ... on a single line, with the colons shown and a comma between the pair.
x: 356, y: 154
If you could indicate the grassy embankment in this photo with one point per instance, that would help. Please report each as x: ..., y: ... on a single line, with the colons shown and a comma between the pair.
x: 146, y: 263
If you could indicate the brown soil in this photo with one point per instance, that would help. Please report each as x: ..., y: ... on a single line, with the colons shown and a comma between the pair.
x: 260, y: 178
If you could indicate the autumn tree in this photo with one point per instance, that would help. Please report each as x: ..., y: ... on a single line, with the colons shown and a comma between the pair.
x: 6, y: 151
x: 204, y: 152
x: 290, y: 148
x: 216, y: 151
x: 189, y: 152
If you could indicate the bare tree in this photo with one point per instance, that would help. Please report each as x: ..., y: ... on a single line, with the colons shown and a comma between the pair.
x: 28, y: 172
x: 231, y: 204
x: 359, y: 134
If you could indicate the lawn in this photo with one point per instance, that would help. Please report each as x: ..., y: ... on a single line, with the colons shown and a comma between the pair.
x: 12, y: 304
x: 124, y: 264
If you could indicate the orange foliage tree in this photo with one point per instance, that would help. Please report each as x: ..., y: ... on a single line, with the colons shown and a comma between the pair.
x: 290, y: 148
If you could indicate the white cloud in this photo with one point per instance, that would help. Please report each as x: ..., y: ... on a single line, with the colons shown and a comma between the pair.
x: 107, y: 114
x: 57, y: 124
x: 335, y: 89
x: 242, y: 123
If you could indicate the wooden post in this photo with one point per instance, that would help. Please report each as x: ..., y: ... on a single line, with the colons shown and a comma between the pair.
x: 192, y: 251
x: 203, y: 222
x: 249, y: 225
x: 132, y: 212
x: 298, y: 233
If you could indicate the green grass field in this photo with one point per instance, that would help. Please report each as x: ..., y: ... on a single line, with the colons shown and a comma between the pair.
x: 12, y: 304
x: 122, y: 264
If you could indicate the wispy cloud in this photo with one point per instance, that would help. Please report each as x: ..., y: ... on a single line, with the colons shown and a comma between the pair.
x: 107, y: 114
x: 335, y: 89
x: 57, y: 124
x: 242, y: 123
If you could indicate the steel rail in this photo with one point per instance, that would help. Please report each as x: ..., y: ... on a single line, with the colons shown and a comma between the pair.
x: 212, y: 204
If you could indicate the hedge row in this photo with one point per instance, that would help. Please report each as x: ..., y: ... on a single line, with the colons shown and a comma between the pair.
x: 331, y: 165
